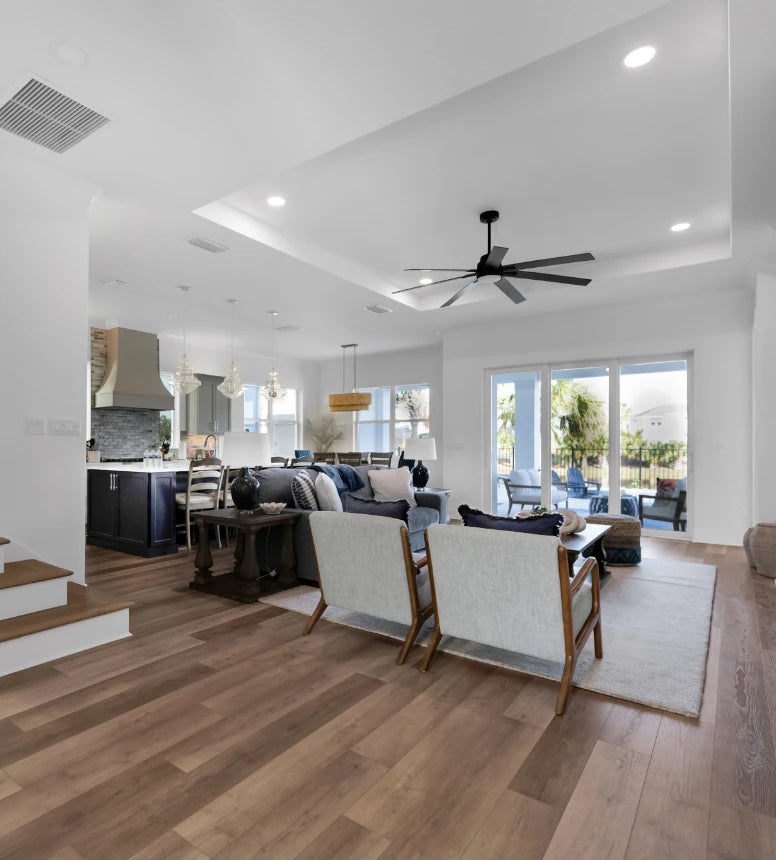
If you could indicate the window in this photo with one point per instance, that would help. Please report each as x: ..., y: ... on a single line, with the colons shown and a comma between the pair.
x: 169, y: 423
x: 397, y: 413
x: 280, y: 419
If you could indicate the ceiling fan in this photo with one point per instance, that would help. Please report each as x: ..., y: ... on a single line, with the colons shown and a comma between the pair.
x: 490, y: 271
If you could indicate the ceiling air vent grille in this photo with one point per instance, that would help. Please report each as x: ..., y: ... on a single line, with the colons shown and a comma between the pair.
x: 378, y: 309
x: 49, y: 118
x: 287, y: 329
x: 208, y: 244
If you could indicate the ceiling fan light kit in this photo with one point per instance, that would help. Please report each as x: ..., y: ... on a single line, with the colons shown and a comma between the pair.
x: 490, y: 270
x: 350, y: 401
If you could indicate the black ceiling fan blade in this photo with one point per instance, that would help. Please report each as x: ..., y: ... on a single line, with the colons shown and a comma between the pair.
x: 550, y: 261
x: 555, y: 279
x: 433, y: 283
x: 496, y: 256
x: 509, y: 291
x: 462, y: 292
x: 439, y: 270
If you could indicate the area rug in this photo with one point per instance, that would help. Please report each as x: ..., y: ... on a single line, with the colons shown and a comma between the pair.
x: 656, y: 620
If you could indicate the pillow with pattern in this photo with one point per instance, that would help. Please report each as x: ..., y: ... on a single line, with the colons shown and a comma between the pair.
x: 667, y: 488
x: 303, y: 493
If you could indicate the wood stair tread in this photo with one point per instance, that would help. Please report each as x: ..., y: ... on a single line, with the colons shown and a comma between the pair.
x: 82, y: 603
x: 29, y: 570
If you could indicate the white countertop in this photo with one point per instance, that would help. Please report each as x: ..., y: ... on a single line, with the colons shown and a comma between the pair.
x: 168, y: 466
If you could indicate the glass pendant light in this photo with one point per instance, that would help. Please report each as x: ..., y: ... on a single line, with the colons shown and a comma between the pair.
x: 232, y: 386
x: 349, y: 401
x: 273, y: 389
x: 183, y: 380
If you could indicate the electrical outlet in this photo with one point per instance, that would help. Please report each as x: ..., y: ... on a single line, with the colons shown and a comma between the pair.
x: 64, y: 426
x: 35, y: 426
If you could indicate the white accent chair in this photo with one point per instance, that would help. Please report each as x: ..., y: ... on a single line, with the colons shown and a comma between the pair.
x: 512, y: 591
x: 365, y: 565
x: 524, y: 487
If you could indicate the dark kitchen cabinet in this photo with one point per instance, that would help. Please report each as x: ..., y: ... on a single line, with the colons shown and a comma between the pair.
x: 132, y: 511
x: 207, y: 410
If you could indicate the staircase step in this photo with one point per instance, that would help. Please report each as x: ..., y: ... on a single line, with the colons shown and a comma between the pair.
x: 3, y: 542
x: 87, y: 620
x: 82, y: 603
x: 28, y: 571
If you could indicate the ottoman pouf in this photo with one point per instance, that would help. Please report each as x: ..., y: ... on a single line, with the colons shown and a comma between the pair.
x: 622, y: 543
x: 762, y: 545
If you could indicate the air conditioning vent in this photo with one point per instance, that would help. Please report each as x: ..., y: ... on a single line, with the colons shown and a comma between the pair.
x: 115, y: 283
x: 378, y: 309
x: 49, y: 118
x: 287, y: 329
x: 208, y: 244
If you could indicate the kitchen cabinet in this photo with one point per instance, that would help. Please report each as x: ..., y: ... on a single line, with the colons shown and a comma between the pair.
x: 207, y: 410
x: 132, y: 511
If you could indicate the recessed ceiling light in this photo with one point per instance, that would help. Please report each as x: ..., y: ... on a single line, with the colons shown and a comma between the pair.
x: 639, y: 57
x: 425, y: 281
x: 72, y: 55
x: 680, y: 227
x: 276, y: 201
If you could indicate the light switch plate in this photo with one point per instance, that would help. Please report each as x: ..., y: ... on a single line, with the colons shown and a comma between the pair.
x: 64, y: 426
x: 35, y: 426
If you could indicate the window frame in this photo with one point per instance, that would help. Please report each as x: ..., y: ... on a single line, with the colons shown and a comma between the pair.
x: 271, y: 422
x: 392, y: 420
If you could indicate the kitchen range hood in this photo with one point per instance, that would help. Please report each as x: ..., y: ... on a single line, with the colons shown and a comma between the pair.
x: 132, y: 378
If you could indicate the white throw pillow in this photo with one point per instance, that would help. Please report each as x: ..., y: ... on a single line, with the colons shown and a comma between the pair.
x: 392, y: 485
x: 326, y: 492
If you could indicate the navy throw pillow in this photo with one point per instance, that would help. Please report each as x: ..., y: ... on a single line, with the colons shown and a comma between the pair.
x: 352, y: 504
x: 546, y: 524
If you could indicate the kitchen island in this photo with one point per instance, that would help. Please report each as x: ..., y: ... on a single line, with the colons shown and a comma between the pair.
x: 132, y: 509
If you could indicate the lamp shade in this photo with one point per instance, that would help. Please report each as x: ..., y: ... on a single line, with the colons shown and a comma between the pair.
x: 245, y: 449
x: 420, y: 449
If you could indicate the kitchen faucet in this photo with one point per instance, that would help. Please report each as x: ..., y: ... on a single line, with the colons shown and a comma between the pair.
x: 215, y: 441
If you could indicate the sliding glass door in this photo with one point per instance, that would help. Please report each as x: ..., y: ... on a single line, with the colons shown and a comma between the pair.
x: 602, y: 438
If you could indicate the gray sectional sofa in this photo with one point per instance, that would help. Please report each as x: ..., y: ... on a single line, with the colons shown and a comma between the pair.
x: 275, y: 486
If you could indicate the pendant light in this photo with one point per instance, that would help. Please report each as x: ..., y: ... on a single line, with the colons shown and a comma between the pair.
x: 349, y: 401
x: 232, y: 386
x: 273, y: 389
x: 183, y: 380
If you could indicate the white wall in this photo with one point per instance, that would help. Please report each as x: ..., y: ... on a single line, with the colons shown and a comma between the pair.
x: 391, y: 368
x: 44, y: 256
x: 764, y: 398
x: 716, y: 329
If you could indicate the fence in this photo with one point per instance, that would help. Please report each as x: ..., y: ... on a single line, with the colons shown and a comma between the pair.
x: 640, y: 466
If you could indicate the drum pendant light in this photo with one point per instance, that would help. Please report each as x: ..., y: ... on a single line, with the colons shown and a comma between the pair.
x: 349, y: 401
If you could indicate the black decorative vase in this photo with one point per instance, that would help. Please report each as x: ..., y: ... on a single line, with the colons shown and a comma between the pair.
x: 245, y: 491
x: 419, y: 475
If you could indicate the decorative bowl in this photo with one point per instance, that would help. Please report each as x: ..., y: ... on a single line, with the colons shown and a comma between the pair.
x: 272, y: 507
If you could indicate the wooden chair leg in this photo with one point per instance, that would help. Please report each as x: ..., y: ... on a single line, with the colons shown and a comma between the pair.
x: 597, y: 640
x: 408, y: 642
x: 565, y: 686
x: 188, y: 532
x: 431, y: 648
x: 315, y: 617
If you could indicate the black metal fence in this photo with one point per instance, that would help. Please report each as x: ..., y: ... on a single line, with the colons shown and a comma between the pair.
x: 640, y: 466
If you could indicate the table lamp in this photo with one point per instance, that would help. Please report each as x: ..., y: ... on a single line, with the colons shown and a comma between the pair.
x: 419, y: 450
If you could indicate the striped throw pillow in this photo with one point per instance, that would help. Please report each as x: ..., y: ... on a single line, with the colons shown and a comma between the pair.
x: 303, y: 492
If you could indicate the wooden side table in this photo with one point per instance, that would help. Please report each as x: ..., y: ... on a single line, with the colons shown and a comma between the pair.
x: 244, y: 582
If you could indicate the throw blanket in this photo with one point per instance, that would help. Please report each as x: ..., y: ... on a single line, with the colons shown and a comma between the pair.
x: 346, y: 478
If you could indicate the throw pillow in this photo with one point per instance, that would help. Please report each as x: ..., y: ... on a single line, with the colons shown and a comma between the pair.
x: 572, y: 522
x: 399, y: 510
x: 303, y: 493
x: 391, y: 485
x: 546, y: 524
x: 327, y: 493
x: 667, y: 488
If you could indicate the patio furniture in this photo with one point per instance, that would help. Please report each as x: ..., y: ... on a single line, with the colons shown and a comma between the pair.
x: 622, y: 543
x: 577, y: 485
x: 365, y: 565
x: 667, y: 504
x: 524, y: 487
x: 523, y: 601
x: 599, y: 504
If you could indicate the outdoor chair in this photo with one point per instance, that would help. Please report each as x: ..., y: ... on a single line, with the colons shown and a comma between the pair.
x: 524, y: 487
x: 523, y: 601
x: 667, y: 504
x: 365, y: 565
x: 578, y: 486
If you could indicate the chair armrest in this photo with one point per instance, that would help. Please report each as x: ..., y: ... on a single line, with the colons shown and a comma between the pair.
x: 590, y: 566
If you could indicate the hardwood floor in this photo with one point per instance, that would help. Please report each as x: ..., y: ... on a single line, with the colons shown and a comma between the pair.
x: 218, y: 731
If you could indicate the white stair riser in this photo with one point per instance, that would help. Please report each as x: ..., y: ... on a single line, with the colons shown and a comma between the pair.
x: 33, y: 597
x: 2, y: 558
x: 37, y: 648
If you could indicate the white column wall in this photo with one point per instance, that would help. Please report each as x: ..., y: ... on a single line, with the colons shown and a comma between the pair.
x: 764, y: 399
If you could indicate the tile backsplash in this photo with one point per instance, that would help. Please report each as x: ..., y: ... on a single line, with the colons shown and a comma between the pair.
x: 125, y: 432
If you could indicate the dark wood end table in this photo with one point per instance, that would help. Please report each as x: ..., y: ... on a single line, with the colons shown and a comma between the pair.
x: 590, y: 538
x: 245, y: 582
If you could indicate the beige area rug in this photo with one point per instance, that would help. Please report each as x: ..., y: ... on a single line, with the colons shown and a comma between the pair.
x: 656, y: 620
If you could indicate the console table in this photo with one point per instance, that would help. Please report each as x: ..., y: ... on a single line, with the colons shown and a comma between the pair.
x: 245, y: 582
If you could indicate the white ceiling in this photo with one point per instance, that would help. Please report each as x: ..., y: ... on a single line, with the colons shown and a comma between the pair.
x: 388, y: 127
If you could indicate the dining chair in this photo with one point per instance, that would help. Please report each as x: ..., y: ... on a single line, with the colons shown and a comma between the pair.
x: 328, y: 457
x: 203, y: 492
x: 350, y: 458
x: 381, y: 458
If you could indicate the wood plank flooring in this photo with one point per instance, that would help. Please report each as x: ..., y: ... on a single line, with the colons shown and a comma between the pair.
x: 218, y: 731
